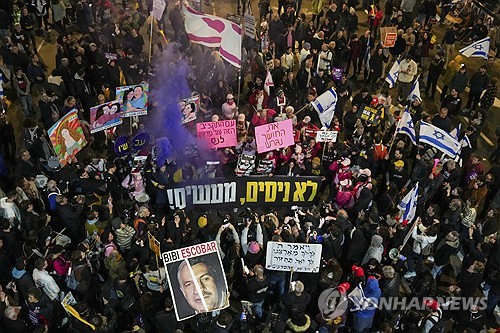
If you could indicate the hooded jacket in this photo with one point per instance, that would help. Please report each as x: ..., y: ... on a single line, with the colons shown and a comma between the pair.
x: 372, y: 290
x: 421, y: 241
x: 375, y: 250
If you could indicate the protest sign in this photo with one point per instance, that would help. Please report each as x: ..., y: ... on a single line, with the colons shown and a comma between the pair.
x: 252, y: 191
x: 154, y: 245
x: 249, y: 25
x: 388, y: 36
x: 134, y: 99
x: 140, y: 141
x: 189, y: 108
x: 274, y: 136
x: 105, y: 116
x: 67, y: 137
x: 217, y: 134
x: 337, y: 74
x: 122, y: 146
x: 297, y: 256
x: 245, y: 165
x: 234, y: 18
x: 196, y: 279
x: 310, y: 132
x: 370, y: 114
x: 326, y: 136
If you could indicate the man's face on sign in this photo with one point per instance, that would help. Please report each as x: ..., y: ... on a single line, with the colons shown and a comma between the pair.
x: 206, y: 283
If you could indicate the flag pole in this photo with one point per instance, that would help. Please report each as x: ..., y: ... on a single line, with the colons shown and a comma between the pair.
x: 239, y: 87
x: 151, y: 37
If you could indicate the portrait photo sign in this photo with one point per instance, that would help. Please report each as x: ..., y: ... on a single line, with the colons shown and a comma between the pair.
x: 196, y: 279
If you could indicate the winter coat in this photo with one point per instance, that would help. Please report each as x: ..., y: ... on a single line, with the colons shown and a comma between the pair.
x: 444, y: 251
x: 478, y: 82
x: 488, y: 98
x: 459, y: 81
x: 375, y: 250
x: 372, y: 291
x: 421, y: 241
x: 356, y: 248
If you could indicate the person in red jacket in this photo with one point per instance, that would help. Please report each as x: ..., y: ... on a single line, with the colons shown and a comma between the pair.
x: 375, y: 19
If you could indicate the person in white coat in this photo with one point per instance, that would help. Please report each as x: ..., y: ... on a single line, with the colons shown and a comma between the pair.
x: 422, y: 238
x: 44, y: 280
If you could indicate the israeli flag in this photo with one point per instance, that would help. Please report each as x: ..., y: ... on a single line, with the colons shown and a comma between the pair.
x: 408, y: 205
x: 439, y: 139
x: 456, y: 131
x: 406, y: 126
x: 415, y: 91
x: 465, y: 142
x: 325, y: 106
x: 392, y: 76
x: 479, y: 49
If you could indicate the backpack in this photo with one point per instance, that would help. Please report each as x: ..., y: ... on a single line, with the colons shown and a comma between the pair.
x: 74, y: 276
x: 438, y: 324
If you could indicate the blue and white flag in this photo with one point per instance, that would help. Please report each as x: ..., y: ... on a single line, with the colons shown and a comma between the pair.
x: 439, y: 139
x: 406, y: 126
x: 479, y: 49
x: 465, y: 142
x: 408, y: 205
x: 415, y: 91
x: 325, y: 106
x: 393, y: 74
x: 456, y: 131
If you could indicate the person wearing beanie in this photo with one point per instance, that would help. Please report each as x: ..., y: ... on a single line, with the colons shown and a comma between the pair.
x: 375, y: 250
x: 363, y: 317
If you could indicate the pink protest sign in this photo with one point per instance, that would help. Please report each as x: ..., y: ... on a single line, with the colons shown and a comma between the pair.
x: 217, y: 134
x: 274, y: 136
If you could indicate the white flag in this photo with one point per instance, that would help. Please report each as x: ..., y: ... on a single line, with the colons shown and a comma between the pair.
x: 158, y: 9
x: 439, y: 139
x: 325, y: 106
x: 479, y: 49
x: 1, y: 85
x: 213, y: 31
x: 408, y: 205
x: 392, y: 76
x: 268, y: 83
x: 415, y: 91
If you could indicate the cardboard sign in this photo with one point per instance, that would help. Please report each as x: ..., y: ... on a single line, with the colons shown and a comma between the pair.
x: 67, y: 137
x: 105, y: 116
x: 326, y: 136
x: 154, y: 245
x: 370, y: 114
x: 196, y: 279
x: 274, y: 136
x: 217, y: 134
x: 388, y: 36
x: 300, y: 257
x: 134, y: 99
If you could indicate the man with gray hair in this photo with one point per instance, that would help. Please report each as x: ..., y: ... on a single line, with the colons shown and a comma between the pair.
x: 295, y: 301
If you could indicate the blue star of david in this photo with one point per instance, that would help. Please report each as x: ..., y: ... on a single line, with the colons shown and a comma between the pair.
x: 478, y: 47
x: 438, y: 135
x: 410, y: 124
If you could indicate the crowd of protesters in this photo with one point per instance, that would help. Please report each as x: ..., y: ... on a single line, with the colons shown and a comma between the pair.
x: 84, y: 228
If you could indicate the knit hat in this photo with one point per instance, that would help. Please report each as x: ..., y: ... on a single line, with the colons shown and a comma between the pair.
x: 307, y: 45
x: 202, y: 221
x: 366, y: 172
x: 431, y: 304
x: 343, y: 287
x: 253, y: 247
x: 116, y: 223
x: 357, y: 271
x: 316, y: 160
x: 377, y: 241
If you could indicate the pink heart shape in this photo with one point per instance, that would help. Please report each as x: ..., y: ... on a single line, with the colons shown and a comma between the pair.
x: 214, y: 24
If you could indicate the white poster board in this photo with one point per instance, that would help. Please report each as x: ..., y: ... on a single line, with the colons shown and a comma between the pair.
x: 300, y: 257
x: 326, y: 136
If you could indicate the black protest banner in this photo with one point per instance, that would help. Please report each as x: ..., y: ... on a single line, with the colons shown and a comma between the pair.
x: 369, y: 114
x: 250, y: 191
